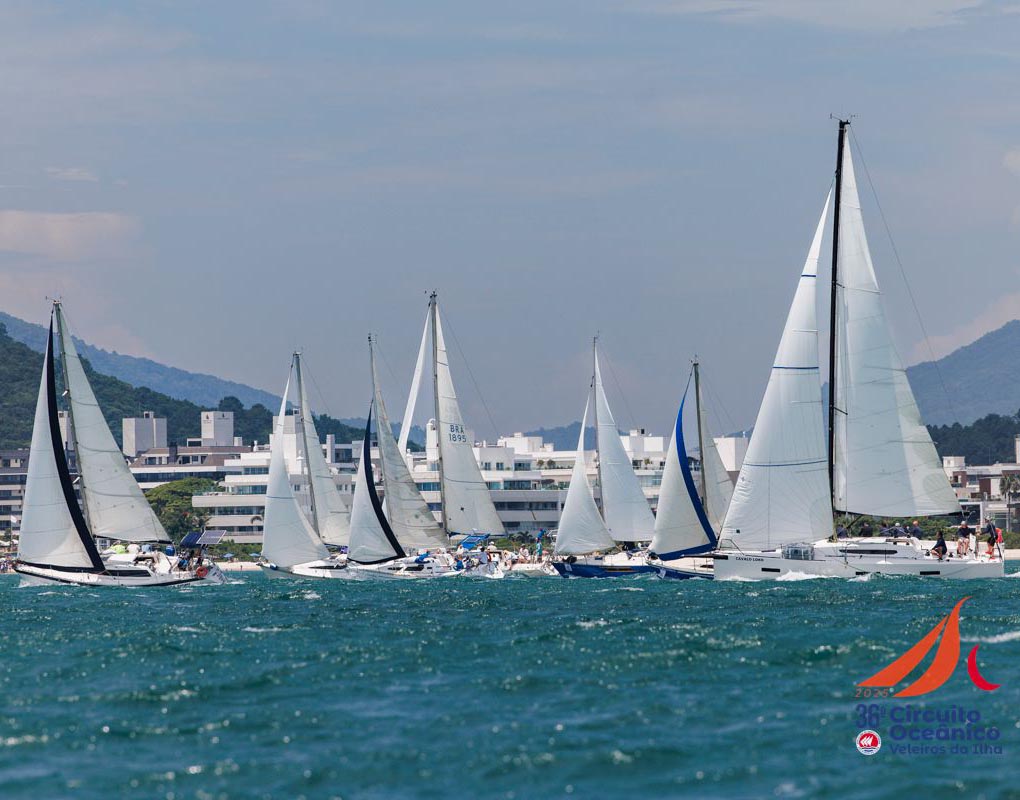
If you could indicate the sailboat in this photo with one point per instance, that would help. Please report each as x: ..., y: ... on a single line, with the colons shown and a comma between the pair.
x: 401, y: 538
x: 292, y: 544
x: 880, y: 460
x: 690, y: 513
x: 58, y: 537
x: 584, y: 534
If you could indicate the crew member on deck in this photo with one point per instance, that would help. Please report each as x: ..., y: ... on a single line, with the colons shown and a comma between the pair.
x: 940, y: 547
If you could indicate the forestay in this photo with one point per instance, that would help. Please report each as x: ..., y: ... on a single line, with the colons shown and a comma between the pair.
x: 408, y: 514
x: 885, y: 463
x: 581, y: 528
x: 624, y: 506
x: 331, y: 517
x: 467, y: 505
x: 782, y: 492
x: 50, y: 534
x: 116, y: 506
x: 288, y: 538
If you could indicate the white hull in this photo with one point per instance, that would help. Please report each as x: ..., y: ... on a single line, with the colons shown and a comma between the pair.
x: 326, y: 569
x: 680, y: 568
x: 120, y: 576
x: 851, y: 558
x: 533, y: 570
x: 404, y: 569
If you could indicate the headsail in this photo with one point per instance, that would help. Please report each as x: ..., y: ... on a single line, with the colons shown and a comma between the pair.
x: 114, y: 503
x: 884, y: 461
x: 624, y: 505
x: 53, y: 529
x: 467, y: 505
x: 682, y: 524
x: 331, y: 517
x: 581, y: 528
x: 782, y: 492
x: 372, y: 538
x: 412, y: 395
x: 288, y: 538
x: 409, y: 515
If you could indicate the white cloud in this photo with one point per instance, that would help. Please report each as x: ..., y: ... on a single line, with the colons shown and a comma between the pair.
x: 865, y: 15
x: 71, y: 174
x: 65, y: 237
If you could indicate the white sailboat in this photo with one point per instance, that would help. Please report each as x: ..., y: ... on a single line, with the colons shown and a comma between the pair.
x: 880, y: 460
x: 401, y: 540
x: 690, y: 512
x: 626, y: 518
x: 57, y: 543
x: 291, y: 543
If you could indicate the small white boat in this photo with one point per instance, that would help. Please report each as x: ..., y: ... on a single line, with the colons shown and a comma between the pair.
x: 533, y: 569
x: 58, y: 543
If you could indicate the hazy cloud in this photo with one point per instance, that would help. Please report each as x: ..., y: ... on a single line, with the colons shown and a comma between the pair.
x: 65, y: 237
x: 71, y: 174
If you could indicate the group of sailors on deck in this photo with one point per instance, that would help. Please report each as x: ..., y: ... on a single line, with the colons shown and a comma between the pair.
x: 991, y: 535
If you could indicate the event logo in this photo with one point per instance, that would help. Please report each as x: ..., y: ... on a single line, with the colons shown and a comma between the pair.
x: 869, y: 742
x: 942, y: 666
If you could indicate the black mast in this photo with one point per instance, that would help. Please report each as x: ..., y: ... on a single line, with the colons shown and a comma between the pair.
x: 832, y: 307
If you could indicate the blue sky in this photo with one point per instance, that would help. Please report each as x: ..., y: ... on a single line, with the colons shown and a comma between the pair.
x: 215, y: 184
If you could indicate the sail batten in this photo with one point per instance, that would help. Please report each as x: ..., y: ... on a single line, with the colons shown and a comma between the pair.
x: 581, y: 528
x: 115, y: 505
x: 782, y: 492
x: 467, y: 504
x: 288, y: 537
x: 624, y: 505
x: 884, y: 461
x: 331, y: 517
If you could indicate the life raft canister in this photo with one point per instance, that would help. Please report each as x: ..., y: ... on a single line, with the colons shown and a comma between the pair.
x: 202, y: 571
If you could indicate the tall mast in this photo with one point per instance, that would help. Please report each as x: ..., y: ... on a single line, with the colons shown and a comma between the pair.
x: 595, y: 408
x: 306, y: 464
x: 58, y: 311
x: 434, y: 316
x: 375, y: 393
x: 701, y: 435
x: 832, y: 308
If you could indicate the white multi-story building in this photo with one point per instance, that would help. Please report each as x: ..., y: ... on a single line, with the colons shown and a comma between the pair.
x: 217, y: 428
x: 142, y: 433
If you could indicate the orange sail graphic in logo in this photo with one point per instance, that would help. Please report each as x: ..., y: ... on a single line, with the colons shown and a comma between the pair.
x: 941, y: 667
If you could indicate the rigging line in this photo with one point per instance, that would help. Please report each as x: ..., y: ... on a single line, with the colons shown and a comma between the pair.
x: 393, y: 375
x: 903, y: 274
x: 608, y: 362
x: 478, y: 391
x: 717, y: 404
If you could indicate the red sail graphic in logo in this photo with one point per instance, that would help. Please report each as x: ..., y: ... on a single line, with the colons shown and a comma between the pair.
x: 941, y: 667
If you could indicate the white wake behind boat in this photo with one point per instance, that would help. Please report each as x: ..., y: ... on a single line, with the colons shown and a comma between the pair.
x: 880, y: 460
x: 58, y: 536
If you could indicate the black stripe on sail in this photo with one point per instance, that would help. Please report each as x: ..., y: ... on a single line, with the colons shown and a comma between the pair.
x: 80, y: 525
x: 366, y: 455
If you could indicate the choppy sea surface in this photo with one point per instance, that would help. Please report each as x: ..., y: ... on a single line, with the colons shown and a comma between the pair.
x: 521, y: 688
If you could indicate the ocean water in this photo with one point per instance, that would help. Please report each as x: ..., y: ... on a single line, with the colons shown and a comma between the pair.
x: 522, y: 688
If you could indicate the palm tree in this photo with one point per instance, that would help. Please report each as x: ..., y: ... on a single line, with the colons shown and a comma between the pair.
x: 1009, y: 487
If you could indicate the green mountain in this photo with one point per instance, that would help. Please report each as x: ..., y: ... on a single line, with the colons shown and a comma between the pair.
x: 206, y: 390
x: 21, y: 366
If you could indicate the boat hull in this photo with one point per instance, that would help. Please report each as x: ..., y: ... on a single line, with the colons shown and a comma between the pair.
x: 774, y: 565
x: 404, y: 570
x: 35, y: 575
x: 612, y: 566
x: 683, y: 569
x: 323, y: 570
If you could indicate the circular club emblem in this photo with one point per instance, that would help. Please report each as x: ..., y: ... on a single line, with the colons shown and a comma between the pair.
x: 869, y: 742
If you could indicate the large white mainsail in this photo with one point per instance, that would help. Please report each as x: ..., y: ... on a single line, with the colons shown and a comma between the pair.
x: 624, y: 505
x: 581, y: 527
x: 782, y: 492
x: 288, y: 539
x: 330, y: 515
x: 372, y: 538
x: 467, y: 505
x: 884, y: 461
x: 53, y: 531
x: 115, y: 506
x: 409, y: 515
